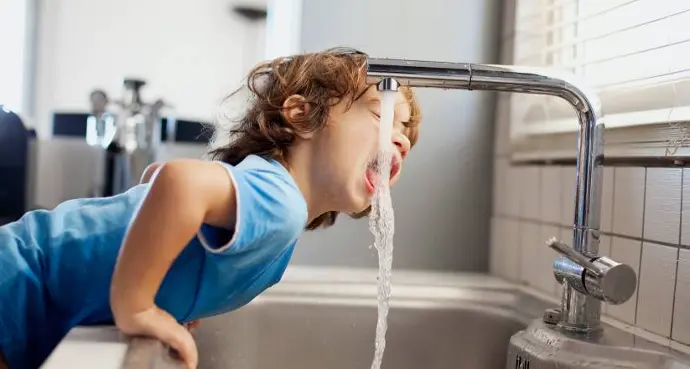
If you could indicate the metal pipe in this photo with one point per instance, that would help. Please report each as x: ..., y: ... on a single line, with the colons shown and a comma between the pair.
x: 581, y: 312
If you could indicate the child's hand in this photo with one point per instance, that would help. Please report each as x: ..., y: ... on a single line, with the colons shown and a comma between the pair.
x: 158, y: 323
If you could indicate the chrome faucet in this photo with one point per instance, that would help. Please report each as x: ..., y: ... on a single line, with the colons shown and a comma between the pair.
x: 587, y: 278
x: 131, y: 137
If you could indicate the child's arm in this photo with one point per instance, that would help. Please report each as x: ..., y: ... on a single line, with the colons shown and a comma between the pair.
x: 146, y: 177
x: 183, y: 195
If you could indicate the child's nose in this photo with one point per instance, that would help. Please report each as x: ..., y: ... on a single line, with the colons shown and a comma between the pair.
x: 402, y: 144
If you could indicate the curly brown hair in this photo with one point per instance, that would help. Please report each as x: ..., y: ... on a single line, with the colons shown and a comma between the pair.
x: 324, y: 79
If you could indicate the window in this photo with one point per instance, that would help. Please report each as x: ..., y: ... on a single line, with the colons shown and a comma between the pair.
x: 13, y: 16
x: 634, y: 53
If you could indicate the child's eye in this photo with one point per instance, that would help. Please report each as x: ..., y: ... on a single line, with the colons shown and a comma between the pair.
x: 377, y: 115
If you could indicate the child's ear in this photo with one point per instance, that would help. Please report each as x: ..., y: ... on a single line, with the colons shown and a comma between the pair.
x: 295, y: 110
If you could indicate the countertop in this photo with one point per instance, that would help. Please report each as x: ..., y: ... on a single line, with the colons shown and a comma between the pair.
x: 85, y: 346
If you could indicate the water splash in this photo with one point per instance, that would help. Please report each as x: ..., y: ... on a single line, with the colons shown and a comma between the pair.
x: 381, y: 223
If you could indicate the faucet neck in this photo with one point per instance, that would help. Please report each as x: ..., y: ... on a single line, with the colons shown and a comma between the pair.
x: 580, y: 311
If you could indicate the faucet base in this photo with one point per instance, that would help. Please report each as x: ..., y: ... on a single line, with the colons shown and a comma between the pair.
x: 546, y: 346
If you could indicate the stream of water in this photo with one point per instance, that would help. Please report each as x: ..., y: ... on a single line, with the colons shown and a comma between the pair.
x: 381, y: 224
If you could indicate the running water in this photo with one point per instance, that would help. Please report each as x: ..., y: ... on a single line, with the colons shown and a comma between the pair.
x: 381, y: 222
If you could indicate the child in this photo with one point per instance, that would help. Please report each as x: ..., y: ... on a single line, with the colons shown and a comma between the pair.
x: 202, y: 238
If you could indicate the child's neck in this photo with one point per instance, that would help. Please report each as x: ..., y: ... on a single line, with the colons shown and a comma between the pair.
x: 298, y: 164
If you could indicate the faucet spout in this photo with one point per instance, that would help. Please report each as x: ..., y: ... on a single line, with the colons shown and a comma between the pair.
x: 581, y: 311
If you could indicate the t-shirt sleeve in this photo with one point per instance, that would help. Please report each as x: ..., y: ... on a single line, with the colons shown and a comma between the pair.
x: 270, y: 211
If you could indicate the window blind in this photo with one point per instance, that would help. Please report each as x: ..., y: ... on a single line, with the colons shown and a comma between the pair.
x: 634, y: 53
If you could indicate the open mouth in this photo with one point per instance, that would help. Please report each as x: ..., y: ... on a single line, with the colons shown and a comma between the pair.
x: 373, y: 172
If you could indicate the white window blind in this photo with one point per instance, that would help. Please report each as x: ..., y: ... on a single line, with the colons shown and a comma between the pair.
x: 634, y: 53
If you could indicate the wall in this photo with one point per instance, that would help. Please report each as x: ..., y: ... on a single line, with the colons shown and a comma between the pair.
x: 13, y: 35
x: 645, y: 219
x: 192, y: 53
x: 442, y: 201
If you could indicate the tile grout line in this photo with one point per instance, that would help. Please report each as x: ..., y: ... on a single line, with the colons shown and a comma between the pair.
x: 606, y: 307
x: 613, y: 209
x: 613, y: 202
x: 540, y: 175
x: 610, y: 234
x: 521, y: 274
x: 680, y: 235
x: 639, y: 274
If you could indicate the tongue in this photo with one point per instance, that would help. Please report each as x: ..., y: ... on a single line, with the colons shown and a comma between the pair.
x: 373, y: 176
x: 374, y: 173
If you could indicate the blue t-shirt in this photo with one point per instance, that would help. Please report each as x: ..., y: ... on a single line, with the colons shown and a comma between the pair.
x: 56, y: 266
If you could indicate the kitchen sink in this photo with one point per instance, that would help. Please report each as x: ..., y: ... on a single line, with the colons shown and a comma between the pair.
x: 312, y: 334
x: 329, y: 321
x: 326, y: 318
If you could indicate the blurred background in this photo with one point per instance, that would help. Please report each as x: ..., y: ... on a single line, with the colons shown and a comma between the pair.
x: 62, y: 60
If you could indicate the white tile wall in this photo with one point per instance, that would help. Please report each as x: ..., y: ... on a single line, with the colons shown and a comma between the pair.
x: 513, y: 186
x: 685, y: 217
x: 496, y: 247
x: 656, y: 288
x: 607, y: 200
x: 567, y: 235
x: 504, y: 251
x: 545, y: 280
x: 628, y: 201
x: 550, y: 203
x: 512, y: 249
x: 605, y: 245
x: 530, y: 236
x: 681, y: 317
x: 502, y: 131
x: 662, y: 205
x: 644, y: 218
x: 567, y: 195
x: 530, y: 192
x: 500, y: 183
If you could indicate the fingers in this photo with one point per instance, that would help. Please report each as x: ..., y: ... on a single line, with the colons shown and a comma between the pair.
x: 179, y: 339
x: 158, y: 323
x: 186, y: 347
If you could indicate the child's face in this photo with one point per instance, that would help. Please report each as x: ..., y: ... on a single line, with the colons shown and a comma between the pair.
x: 348, y: 144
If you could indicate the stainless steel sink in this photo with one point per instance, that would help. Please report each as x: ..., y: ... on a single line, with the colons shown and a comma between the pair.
x: 454, y: 322
x: 461, y: 322
x: 306, y: 335
x: 327, y: 319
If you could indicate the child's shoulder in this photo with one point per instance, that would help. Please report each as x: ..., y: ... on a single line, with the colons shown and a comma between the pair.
x: 267, y: 187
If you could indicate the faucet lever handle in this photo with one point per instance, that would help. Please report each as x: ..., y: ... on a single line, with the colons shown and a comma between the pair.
x: 601, y: 278
x: 574, y: 256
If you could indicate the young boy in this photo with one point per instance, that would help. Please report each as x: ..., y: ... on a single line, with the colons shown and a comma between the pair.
x: 202, y: 238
